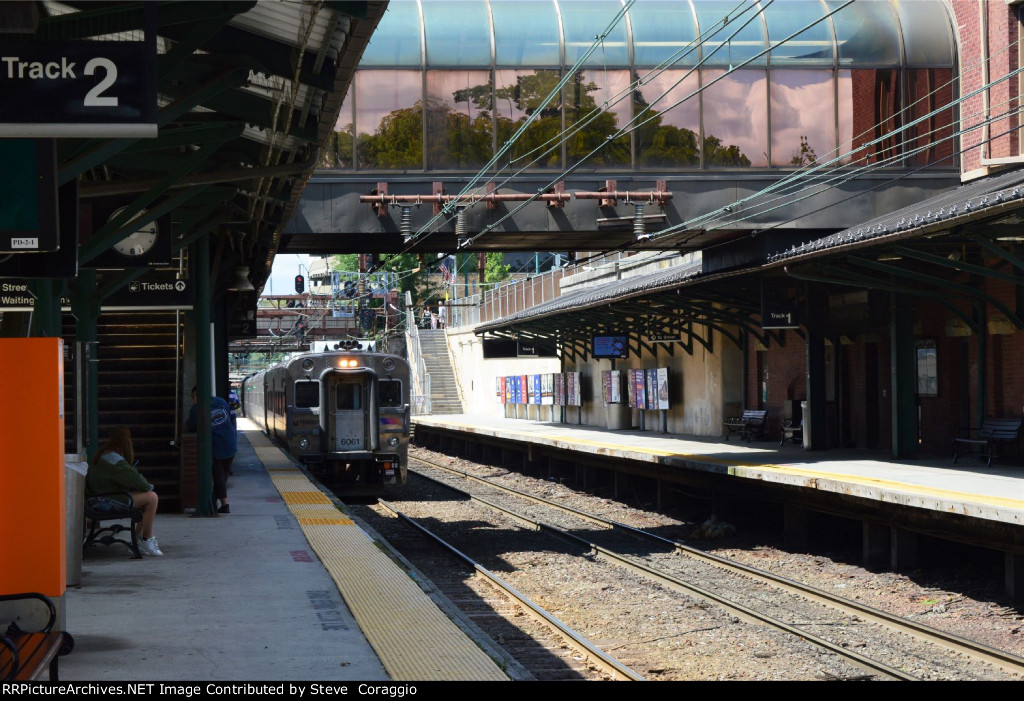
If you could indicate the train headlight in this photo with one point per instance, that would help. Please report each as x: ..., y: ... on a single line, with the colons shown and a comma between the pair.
x: 304, y: 442
x: 389, y: 364
x: 393, y: 441
x: 307, y: 364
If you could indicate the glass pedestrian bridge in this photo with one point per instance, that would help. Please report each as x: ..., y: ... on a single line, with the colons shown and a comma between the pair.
x: 674, y: 84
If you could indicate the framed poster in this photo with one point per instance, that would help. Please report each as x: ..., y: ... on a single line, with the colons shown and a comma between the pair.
x: 572, y: 389
x: 559, y: 389
x: 547, y: 389
x: 640, y: 395
x: 535, y: 396
x: 652, y: 388
x: 663, y: 388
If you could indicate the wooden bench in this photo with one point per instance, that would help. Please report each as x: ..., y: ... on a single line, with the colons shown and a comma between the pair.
x: 102, y: 509
x: 991, y: 434
x: 792, y: 431
x: 750, y: 424
x: 29, y: 656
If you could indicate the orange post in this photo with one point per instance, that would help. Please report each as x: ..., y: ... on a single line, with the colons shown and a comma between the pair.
x: 32, y: 508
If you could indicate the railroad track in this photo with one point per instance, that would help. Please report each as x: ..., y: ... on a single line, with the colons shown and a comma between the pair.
x: 610, y: 666
x: 824, y: 620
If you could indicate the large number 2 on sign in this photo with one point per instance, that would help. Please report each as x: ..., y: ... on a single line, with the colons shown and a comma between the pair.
x: 93, y: 97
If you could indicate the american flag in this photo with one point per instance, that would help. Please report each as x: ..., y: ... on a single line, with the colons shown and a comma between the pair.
x: 446, y: 274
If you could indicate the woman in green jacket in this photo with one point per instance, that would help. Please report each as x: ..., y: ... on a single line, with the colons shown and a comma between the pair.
x: 112, y: 470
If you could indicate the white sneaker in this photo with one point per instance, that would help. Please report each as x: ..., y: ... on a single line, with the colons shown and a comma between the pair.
x: 150, y: 547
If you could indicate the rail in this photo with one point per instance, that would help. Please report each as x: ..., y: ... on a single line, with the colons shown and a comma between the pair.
x: 617, y: 669
x: 951, y: 642
x: 420, y: 377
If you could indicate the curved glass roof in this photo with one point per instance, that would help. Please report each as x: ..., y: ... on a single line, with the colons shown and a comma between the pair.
x: 556, y: 33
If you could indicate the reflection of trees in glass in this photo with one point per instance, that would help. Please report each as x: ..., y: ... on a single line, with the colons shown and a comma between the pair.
x: 455, y: 139
x: 461, y: 139
x: 600, y: 124
x: 397, y: 143
x: 805, y: 156
x: 524, y: 99
x: 337, y: 152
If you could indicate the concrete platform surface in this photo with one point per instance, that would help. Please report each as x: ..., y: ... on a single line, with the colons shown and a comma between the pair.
x: 236, y: 597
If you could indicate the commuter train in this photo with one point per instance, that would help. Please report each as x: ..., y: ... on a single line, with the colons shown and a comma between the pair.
x: 342, y: 414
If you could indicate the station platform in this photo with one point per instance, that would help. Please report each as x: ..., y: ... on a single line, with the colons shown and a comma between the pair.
x: 285, y: 587
x: 969, y: 488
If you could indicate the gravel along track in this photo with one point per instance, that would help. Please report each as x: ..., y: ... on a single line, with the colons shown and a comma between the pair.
x: 666, y: 635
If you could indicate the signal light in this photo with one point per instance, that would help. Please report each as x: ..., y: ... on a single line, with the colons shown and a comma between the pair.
x: 300, y: 284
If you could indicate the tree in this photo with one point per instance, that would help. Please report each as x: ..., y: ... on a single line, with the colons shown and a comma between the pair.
x: 494, y: 269
x: 345, y: 262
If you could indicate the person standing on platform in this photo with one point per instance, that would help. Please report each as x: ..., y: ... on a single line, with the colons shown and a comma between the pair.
x: 442, y: 316
x: 225, y: 445
x: 112, y: 469
x: 433, y: 320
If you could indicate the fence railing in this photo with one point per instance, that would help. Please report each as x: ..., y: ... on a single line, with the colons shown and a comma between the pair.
x: 519, y: 295
x: 420, y: 395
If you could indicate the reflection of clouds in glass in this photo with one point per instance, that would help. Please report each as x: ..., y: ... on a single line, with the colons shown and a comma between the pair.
x: 611, y: 86
x: 801, y: 106
x: 442, y: 86
x: 685, y: 115
x: 735, y: 111
x: 379, y: 93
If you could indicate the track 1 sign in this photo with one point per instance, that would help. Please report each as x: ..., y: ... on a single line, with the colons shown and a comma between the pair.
x: 77, y: 89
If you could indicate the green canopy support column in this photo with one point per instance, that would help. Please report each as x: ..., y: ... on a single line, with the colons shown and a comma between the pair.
x: 815, y: 424
x: 980, y: 314
x: 904, y: 377
x: 46, y: 310
x: 204, y: 378
x: 86, y: 309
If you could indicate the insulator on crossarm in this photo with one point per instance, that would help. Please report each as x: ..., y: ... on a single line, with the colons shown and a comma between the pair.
x: 461, y: 238
x: 405, y: 224
x: 639, y: 225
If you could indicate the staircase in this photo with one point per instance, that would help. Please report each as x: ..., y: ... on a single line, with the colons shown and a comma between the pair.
x: 138, y: 362
x: 444, y: 392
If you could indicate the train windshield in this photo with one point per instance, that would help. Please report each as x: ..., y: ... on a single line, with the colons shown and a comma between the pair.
x: 350, y: 395
x: 390, y: 393
x: 307, y: 394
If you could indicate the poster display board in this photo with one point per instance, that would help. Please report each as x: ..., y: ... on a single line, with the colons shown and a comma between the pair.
x: 535, y: 394
x: 638, y: 380
x: 572, y: 389
x: 652, y: 389
x: 559, y: 389
x: 663, y: 388
x: 611, y: 385
x: 547, y: 389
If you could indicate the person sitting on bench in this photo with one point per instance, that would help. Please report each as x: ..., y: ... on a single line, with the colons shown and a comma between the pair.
x: 112, y: 469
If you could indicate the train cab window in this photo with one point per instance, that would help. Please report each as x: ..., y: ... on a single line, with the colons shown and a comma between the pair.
x: 350, y: 395
x: 307, y: 394
x: 390, y: 393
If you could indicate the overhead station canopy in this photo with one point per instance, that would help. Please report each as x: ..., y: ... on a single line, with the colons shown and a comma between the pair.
x: 246, y: 93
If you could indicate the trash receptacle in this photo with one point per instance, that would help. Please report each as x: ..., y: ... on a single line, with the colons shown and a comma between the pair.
x: 75, y: 468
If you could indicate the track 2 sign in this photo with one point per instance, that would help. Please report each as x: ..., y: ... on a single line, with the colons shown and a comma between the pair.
x: 77, y: 89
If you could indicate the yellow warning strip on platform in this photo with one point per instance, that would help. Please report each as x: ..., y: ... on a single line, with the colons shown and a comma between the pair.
x: 413, y: 638
x: 735, y: 465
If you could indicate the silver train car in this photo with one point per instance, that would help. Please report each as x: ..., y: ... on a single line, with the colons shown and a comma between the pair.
x: 343, y: 414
